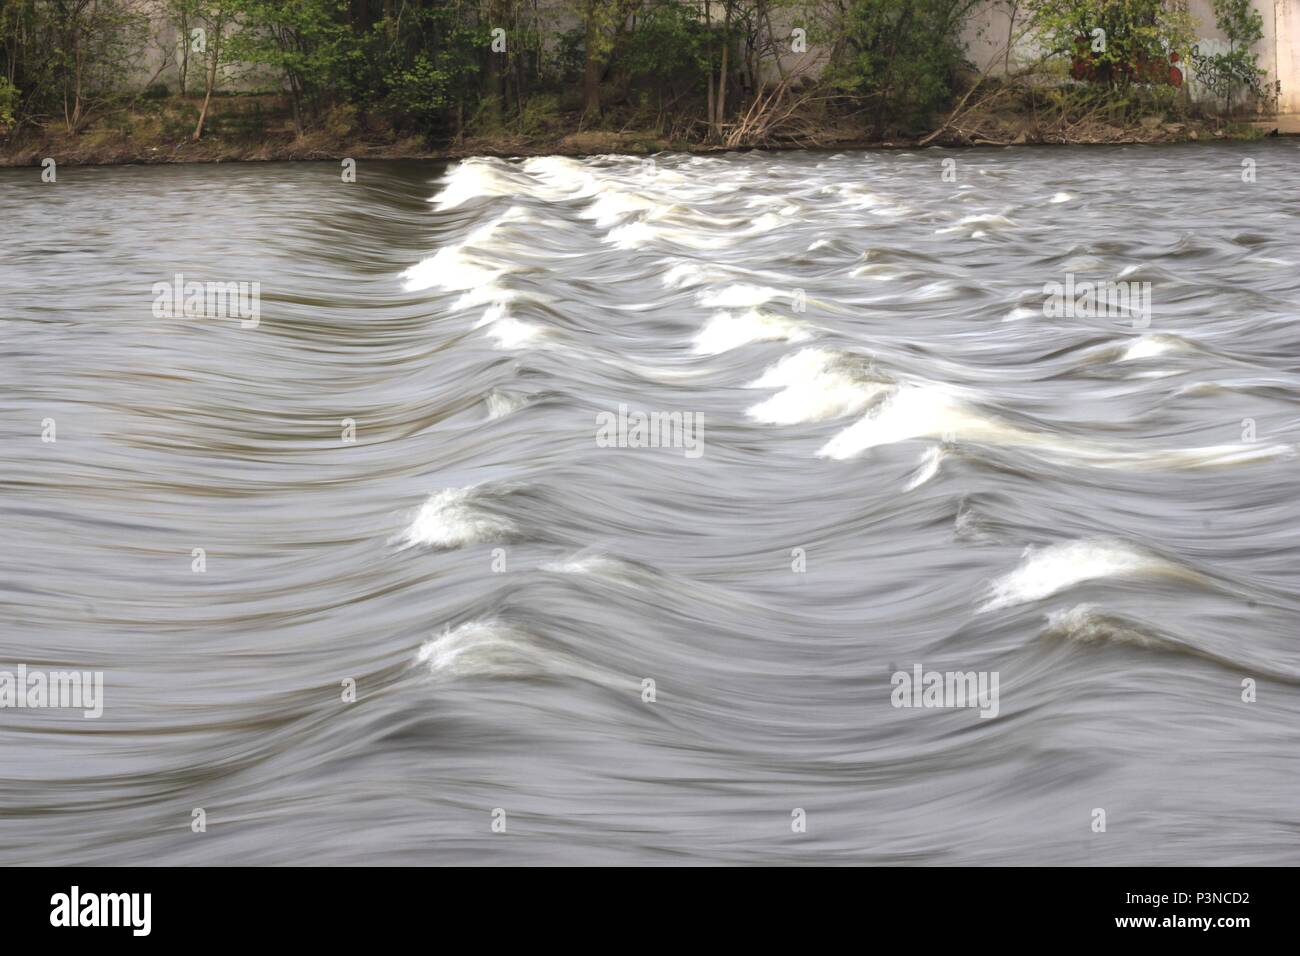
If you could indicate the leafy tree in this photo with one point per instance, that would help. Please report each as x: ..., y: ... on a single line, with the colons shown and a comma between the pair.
x: 1122, y: 41
x: 902, y: 56
x: 308, y: 41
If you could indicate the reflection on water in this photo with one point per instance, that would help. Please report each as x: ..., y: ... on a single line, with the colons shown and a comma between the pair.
x: 393, y: 481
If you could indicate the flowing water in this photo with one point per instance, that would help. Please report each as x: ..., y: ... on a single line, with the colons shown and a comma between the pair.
x: 402, y: 478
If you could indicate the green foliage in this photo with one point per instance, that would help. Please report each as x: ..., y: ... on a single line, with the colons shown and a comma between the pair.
x: 668, y: 40
x: 903, y: 55
x: 9, y: 96
x: 681, y: 67
x: 1135, y: 43
x: 430, y: 67
x: 69, y: 57
x: 538, y: 113
x: 309, y: 41
x: 419, y: 89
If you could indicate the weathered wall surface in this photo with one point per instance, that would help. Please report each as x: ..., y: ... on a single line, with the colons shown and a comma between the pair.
x: 1286, y: 64
x: 985, y: 38
x: 995, y: 39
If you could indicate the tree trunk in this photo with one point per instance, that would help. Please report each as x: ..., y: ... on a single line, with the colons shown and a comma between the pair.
x: 722, y: 82
x: 184, y: 66
x: 708, y: 76
x: 212, y: 77
x: 496, y: 74
x: 591, y: 66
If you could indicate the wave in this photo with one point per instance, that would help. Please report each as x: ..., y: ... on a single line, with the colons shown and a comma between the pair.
x: 1090, y: 625
x: 1045, y: 571
x: 455, y: 517
x: 726, y: 331
x: 815, y: 385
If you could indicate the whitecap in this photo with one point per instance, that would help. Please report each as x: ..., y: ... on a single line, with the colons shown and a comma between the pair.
x: 472, y: 179
x: 725, y: 331
x: 1149, y: 346
x: 815, y: 385
x: 1046, y: 570
x: 739, y: 296
x: 484, y: 648
x: 453, y: 517
x: 919, y: 411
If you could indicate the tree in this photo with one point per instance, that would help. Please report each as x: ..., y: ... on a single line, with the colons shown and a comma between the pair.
x: 308, y: 41
x: 91, y: 42
x: 602, y: 20
x: 213, y: 16
x: 901, y: 56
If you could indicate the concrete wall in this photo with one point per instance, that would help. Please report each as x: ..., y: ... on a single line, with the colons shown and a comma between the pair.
x: 985, y: 38
x: 1286, y: 64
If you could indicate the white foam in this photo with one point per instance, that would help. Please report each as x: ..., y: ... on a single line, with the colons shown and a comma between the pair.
x: 509, y: 333
x: 740, y: 295
x: 929, y: 410
x: 919, y: 411
x: 767, y: 222
x: 489, y: 293
x: 859, y: 198
x: 815, y: 385
x: 488, y: 648
x: 451, y: 267
x: 985, y: 220
x: 633, y: 235
x: 1020, y: 313
x: 725, y: 331
x: 611, y: 205
x: 491, y: 647
x: 501, y: 404
x: 1045, y: 571
x: 879, y: 272
x: 457, y: 267
x: 928, y: 468
x: 1149, y: 346
x: 559, y: 177
x: 1087, y: 625
x: 471, y: 179
x: 685, y: 274
x: 586, y: 562
x: 452, y: 518
x: 1061, y: 197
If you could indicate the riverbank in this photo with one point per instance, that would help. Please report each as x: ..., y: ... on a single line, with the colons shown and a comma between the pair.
x: 258, y: 129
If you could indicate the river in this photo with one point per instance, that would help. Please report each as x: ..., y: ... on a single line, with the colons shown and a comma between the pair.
x: 379, y: 570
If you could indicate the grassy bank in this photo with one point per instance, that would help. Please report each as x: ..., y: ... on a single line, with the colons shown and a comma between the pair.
x: 260, y: 128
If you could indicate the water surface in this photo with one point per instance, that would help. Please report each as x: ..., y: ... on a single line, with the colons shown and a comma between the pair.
x: 904, y: 462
